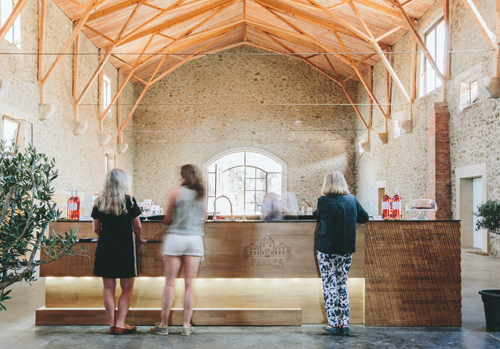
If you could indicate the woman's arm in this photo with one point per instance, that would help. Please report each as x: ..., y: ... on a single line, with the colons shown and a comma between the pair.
x: 136, y: 222
x: 173, y: 195
x: 96, y: 226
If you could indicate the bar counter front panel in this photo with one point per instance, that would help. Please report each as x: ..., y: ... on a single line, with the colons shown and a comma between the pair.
x: 258, y: 273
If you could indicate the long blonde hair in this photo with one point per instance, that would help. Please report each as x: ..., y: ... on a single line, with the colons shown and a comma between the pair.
x: 112, y: 199
x: 335, y: 183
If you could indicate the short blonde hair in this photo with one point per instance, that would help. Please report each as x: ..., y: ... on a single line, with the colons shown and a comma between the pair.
x: 335, y: 183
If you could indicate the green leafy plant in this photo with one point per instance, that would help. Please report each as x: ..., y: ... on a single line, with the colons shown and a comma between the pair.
x: 25, y: 212
x: 489, y: 216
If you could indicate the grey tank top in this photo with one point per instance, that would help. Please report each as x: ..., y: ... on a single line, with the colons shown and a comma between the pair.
x: 189, y: 215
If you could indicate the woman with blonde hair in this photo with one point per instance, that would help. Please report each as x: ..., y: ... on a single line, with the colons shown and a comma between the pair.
x: 337, y: 214
x: 115, y: 218
x: 183, y: 245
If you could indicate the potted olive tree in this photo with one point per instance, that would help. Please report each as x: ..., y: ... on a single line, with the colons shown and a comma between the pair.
x: 26, y: 209
x: 489, y: 218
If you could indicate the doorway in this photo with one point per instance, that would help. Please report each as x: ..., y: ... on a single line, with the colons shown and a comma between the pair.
x: 471, y: 191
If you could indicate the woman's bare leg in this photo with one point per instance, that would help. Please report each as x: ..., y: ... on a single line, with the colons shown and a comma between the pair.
x: 172, y: 266
x: 108, y: 295
x: 191, y: 266
x: 127, y: 286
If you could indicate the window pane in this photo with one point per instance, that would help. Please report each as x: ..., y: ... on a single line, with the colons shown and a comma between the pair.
x: 263, y: 162
x: 474, y: 93
x: 250, y: 209
x: 231, y: 185
x: 250, y: 172
x: 261, y: 184
x: 211, y: 184
x: 431, y: 77
x: 274, y: 183
x: 10, y: 132
x: 210, y: 205
x: 261, y: 174
x: 250, y: 196
x: 431, y: 43
x: 5, y: 10
x: 259, y: 196
x: 440, y: 38
x: 250, y: 184
x: 231, y: 160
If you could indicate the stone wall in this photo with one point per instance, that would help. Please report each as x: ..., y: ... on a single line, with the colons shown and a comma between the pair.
x: 79, y: 159
x: 474, y: 132
x: 218, y: 102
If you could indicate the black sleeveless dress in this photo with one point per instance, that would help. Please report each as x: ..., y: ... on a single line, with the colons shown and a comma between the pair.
x: 115, y: 256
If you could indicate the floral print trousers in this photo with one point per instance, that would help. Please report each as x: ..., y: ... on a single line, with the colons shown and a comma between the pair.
x: 334, y: 269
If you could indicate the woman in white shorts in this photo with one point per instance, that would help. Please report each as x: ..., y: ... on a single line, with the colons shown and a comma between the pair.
x: 183, y: 244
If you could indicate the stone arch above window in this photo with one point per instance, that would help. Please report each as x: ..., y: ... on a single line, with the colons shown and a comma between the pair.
x: 244, y: 176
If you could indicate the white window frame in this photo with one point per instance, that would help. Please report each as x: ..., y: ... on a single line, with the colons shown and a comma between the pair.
x: 14, y: 34
x: 16, y: 140
x: 427, y: 72
x: 245, y: 149
x: 106, y: 93
x: 469, y: 93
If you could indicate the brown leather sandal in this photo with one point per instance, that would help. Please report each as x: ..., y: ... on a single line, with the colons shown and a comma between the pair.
x: 119, y: 330
x: 112, y: 329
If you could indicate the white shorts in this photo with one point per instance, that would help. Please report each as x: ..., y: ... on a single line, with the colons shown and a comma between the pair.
x: 180, y: 245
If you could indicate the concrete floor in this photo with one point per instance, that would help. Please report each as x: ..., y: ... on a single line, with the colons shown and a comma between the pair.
x: 17, y: 329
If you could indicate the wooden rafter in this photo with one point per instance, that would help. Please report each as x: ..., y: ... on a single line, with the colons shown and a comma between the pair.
x: 392, y: 31
x: 381, y: 54
x: 115, y: 8
x: 12, y: 18
x: 108, y: 54
x: 98, y: 33
x: 379, y: 8
x: 76, y: 57
x: 80, y: 5
x: 420, y: 42
x: 41, y: 45
x: 483, y: 27
x: 76, y: 30
x: 361, y: 77
x: 152, y: 80
x: 177, y: 20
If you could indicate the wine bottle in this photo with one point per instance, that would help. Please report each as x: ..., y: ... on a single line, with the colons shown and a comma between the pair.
x: 386, y: 205
x: 396, y: 206
x: 76, y: 207
x: 69, y: 206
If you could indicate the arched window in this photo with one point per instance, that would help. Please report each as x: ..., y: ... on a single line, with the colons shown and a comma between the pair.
x: 244, y: 176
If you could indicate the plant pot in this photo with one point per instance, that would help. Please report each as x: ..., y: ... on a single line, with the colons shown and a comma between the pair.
x: 491, y: 300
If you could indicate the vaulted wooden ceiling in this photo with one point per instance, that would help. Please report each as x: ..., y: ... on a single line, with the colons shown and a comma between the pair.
x: 337, y: 36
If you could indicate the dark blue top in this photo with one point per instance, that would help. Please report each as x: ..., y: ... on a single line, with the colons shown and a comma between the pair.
x: 337, y: 216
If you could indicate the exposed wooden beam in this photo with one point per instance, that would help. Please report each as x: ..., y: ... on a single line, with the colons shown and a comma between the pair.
x: 119, y: 116
x: 379, y: 8
x: 392, y: 31
x: 380, y: 52
x: 365, y: 59
x: 124, y: 83
x: 153, y: 7
x: 211, y: 7
x: 347, y: 94
x: 370, y: 106
x: 388, y: 92
x: 152, y: 80
x: 76, y: 30
x: 407, y: 2
x: 350, y: 77
x: 12, y: 18
x: 420, y: 42
x: 413, y: 76
x: 339, y: 4
x: 447, y: 40
x: 483, y: 27
x: 77, y: 4
x: 155, y: 17
x: 98, y: 33
x: 41, y: 45
x: 108, y: 54
x: 165, y: 36
x: 290, y: 11
x: 114, y: 8
x: 361, y: 77
x: 76, y: 58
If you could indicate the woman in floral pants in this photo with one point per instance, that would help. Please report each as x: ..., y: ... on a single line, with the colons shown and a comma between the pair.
x: 337, y: 214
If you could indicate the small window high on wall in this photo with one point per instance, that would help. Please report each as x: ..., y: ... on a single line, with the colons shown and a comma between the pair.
x: 106, y: 93
x: 10, y: 135
x: 244, y: 177
x: 14, y: 34
x: 435, y: 42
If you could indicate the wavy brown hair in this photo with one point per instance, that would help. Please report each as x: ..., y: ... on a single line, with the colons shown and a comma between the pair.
x: 192, y: 180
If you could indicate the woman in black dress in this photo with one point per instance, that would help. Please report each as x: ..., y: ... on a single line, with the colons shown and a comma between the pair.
x: 115, y: 218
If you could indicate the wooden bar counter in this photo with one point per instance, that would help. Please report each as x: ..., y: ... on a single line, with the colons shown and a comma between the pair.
x: 404, y: 273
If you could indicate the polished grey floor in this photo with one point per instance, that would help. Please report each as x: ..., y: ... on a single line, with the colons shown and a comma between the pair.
x: 17, y: 329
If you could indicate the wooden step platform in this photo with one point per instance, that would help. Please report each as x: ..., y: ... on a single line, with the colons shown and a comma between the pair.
x: 148, y: 316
